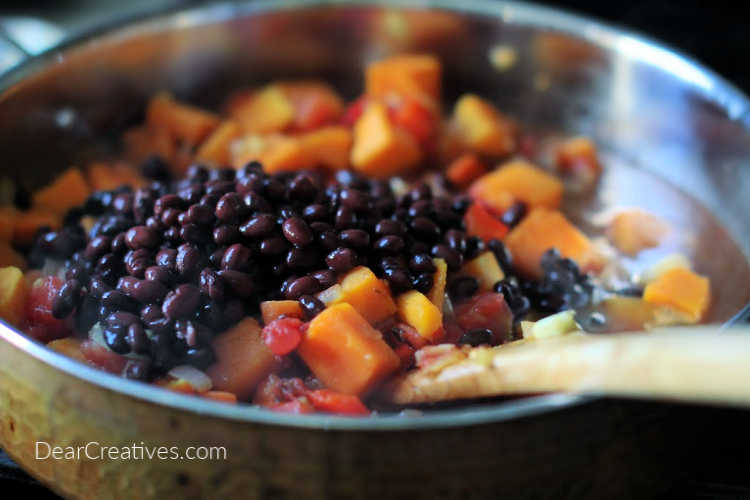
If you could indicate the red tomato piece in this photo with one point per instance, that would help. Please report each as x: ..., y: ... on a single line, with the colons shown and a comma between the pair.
x: 41, y: 324
x: 480, y: 222
x: 414, y: 117
x: 283, y: 335
x: 353, y: 111
x: 296, y: 406
x: 102, y: 357
x: 486, y: 310
x: 313, y: 112
x: 335, y: 402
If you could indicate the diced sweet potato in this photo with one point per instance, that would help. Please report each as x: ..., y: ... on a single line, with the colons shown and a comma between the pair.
x: 70, y: 346
x: 485, y: 269
x: 27, y: 224
x: 315, y: 104
x: 416, y: 310
x: 380, y: 148
x: 9, y: 257
x: 634, y: 230
x: 104, y: 177
x: 144, y: 141
x: 518, y: 180
x: 8, y: 217
x: 329, y: 147
x: 272, y: 309
x: 682, y: 289
x: 465, y: 169
x: 14, y: 290
x: 268, y: 110
x: 215, y: 149
x: 479, y: 222
x: 242, y: 359
x: 437, y: 293
x: 326, y: 147
x: 483, y: 129
x: 345, y: 352
x: 68, y: 190
x: 361, y: 289
x: 578, y: 156
x: 538, y: 232
x: 183, y: 122
x: 416, y: 76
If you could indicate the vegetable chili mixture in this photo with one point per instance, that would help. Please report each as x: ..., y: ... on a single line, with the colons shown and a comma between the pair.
x: 297, y: 251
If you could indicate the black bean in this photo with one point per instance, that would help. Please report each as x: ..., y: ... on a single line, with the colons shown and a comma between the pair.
x: 219, y: 187
x: 149, y: 291
x: 474, y: 246
x: 398, y: 279
x: 116, y: 341
x: 158, y: 273
x: 98, y: 286
x: 390, y: 245
x: 513, y: 215
x: 275, y: 245
x: 154, y: 167
x: 126, y: 284
x: 192, y: 194
x: 118, y: 301
x: 388, y: 227
x: 422, y: 263
x: 200, y: 357
x: 420, y: 192
x: 297, y: 232
x: 241, y: 284
x: 461, y: 203
x: 354, y: 199
x: 199, y: 214
x: 221, y: 174
x: 306, y: 285
x: 210, y: 200
x: 167, y: 201
x: 451, y: 257
x: 301, y: 188
x: 249, y: 183
x: 212, y: 285
x: 341, y: 259
x: 141, y: 237
x: 67, y: 299
x: 329, y: 240
x: 188, y: 260
x: 193, y: 233
x: 256, y: 203
x: 274, y: 188
x: 354, y: 238
x: 344, y: 218
x: 350, y: 178
x: 259, y: 226
x: 87, y: 313
x: 155, y: 224
x: 311, y: 306
x: 423, y: 282
x: 197, y: 173
x: 463, y: 287
x: 299, y: 258
x: 504, y: 258
x: 315, y: 212
x: 118, y: 246
x: 420, y: 208
x: 425, y: 228
x: 231, y: 208
x: 455, y: 239
x: 169, y: 217
x: 214, y: 260
x: 236, y: 257
x: 137, y: 339
x: 476, y: 337
x: 319, y: 227
x: 325, y: 277
x: 226, y: 234
x: 98, y: 246
x: 394, y: 262
x: 181, y: 302
x: 136, y: 261
x: 167, y: 258
x: 123, y: 203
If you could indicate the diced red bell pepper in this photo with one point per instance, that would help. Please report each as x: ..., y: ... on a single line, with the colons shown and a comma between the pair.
x: 353, y: 111
x: 486, y: 310
x: 409, y: 114
x: 283, y: 335
x: 102, y: 357
x: 42, y: 325
x: 335, y: 402
x: 314, y: 111
x: 480, y: 222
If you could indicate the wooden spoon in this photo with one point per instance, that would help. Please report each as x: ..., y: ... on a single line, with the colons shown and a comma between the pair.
x: 697, y: 364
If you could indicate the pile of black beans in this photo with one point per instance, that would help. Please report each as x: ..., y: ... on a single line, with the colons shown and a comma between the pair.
x: 168, y: 266
x: 563, y: 286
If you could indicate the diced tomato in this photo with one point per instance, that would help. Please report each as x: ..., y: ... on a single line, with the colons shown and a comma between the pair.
x: 409, y: 114
x: 283, y: 335
x: 102, y: 357
x: 313, y: 112
x: 486, y: 310
x: 465, y: 169
x: 41, y: 324
x: 274, y: 390
x: 480, y: 222
x: 296, y: 406
x: 335, y: 402
x: 353, y: 111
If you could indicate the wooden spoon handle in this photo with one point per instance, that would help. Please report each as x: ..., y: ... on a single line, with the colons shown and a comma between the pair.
x: 692, y: 364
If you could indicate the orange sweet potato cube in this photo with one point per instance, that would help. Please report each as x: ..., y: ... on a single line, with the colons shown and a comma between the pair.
x: 272, y: 309
x: 345, y: 352
x: 417, y: 76
x: 183, y: 122
x: 634, y: 230
x: 13, y: 292
x: 465, y: 169
x: 518, y: 180
x: 315, y: 103
x: 266, y: 111
x: 215, y: 149
x: 104, y: 177
x: 8, y: 217
x: 27, y: 224
x: 381, y: 149
x: 9, y: 257
x: 243, y: 359
x: 370, y: 296
x: 68, y: 190
x: 539, y: 231
x: 482, y: 128
x: 416, y: 310
x: 681, y: 289
x: 328, y: 147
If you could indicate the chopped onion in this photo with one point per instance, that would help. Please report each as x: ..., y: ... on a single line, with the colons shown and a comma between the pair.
x: 330, y: 294
x: 199, y: 380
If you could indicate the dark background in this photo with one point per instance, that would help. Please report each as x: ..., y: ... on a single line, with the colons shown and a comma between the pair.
x: 717, y: 33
